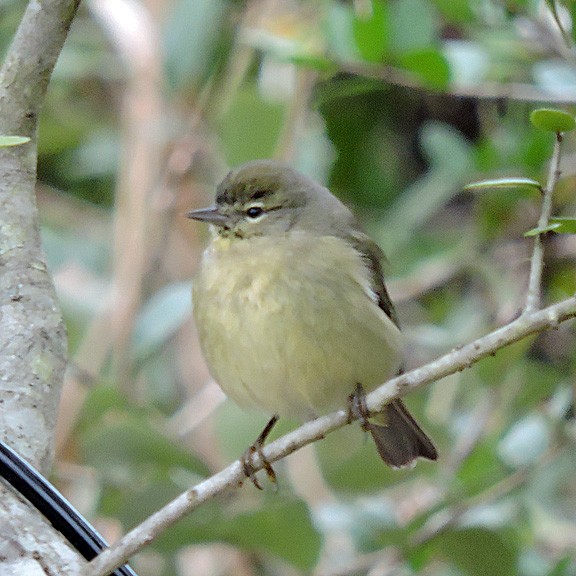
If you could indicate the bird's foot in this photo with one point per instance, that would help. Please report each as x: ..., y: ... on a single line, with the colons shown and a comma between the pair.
x: 357, y: 409
x: 247, y: 458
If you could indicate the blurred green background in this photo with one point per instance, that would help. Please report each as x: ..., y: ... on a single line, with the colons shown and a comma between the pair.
x: 395, y: 105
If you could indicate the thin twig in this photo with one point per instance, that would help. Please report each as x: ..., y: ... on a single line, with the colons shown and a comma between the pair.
x: 232, y: 477
x: 534, y: 292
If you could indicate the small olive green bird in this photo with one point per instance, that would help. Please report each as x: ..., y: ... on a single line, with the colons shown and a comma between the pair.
x: 291, y: 307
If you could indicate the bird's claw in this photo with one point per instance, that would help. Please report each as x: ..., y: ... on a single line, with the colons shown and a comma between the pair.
x: 247, y: 458
x: 357, y: 409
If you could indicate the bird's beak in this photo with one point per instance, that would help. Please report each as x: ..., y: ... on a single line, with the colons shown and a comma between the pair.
x: 210, y: 215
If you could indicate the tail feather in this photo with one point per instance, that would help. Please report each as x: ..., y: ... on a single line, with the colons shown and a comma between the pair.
x: 398, y: 437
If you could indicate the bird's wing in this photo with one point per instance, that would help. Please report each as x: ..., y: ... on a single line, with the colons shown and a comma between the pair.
x: 374, y: 256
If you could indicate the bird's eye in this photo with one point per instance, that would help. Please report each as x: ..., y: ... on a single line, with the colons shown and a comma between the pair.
x: 254, y: 211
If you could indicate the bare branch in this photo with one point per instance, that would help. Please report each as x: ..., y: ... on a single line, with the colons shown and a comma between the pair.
x: 232, y: 477
x: 32, y: 334
x: 533, y: 295
x: 486, y: 91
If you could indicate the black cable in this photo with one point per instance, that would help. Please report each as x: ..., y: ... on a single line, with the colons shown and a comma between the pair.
x: 62, y: 515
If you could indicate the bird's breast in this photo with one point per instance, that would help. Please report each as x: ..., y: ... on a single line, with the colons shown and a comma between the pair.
x: 291, y: 324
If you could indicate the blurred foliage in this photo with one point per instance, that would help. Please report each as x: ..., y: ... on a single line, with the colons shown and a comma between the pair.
x: 396, y: 105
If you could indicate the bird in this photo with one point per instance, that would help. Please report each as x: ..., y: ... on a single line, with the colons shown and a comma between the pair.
x: 292, y: 312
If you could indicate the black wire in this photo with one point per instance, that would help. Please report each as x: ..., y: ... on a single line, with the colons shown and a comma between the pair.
x: 61, y: 514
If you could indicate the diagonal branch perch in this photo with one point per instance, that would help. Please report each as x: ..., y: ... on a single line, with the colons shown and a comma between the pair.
x: 233, y: 476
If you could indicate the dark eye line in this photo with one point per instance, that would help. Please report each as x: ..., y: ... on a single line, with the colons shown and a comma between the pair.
x: 255, y: 211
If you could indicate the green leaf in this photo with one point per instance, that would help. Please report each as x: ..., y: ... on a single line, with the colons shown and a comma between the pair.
x: 504, y: 183
x: 552, y: 120
x: 349, y: 463
x: 481, y: 469
x: 456, y: 11
x: 478, y: 552
x: 562, y: 567
x: 283, y: 528
x: 314, y: 62
x: 536, y: 231
x: 249, y: 113
x: 6, y: 141
x: 128, y: 443
x: 278, y: 524
x: 429, y: 65
x: 564, y: 225
x: 371, y: 32
x: 559, y: 225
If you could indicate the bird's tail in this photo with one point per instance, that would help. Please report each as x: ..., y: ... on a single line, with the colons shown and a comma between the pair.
x: 399, y: 440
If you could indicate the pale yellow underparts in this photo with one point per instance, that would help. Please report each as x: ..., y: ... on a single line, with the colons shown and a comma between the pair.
x: 289, y: 324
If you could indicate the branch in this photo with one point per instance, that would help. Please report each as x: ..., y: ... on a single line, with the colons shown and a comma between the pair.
x: 533, y: 295
x: 485, y: 91
x: 233, y: 476
x: 32, y: 334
